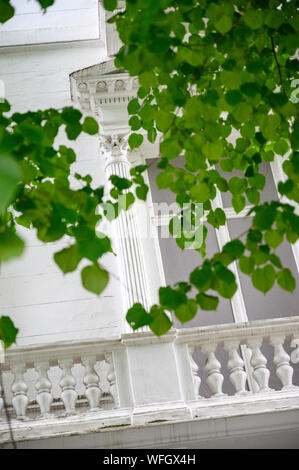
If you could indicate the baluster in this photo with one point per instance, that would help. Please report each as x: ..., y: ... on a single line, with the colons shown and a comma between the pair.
x: 43, y: 387
x: 295, y: 353
x: 213, y: 368
x: 111, y: 378
x: 235, y: 364
x: 19, y: 390
x: 258, y: 361
x: 194, y: 370
x: 1, y: 401
x: 281, y: 359
x: 93, y: 392
x: 67, y: 384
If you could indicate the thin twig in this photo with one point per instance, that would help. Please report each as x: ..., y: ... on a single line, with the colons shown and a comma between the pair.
x: 276, y: 60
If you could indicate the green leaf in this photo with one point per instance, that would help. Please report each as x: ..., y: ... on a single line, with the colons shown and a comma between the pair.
x: 187, y: 311
x: 67, y: 259
x: 151, y: 135
x: 226, y: 165
x: 200, y: 192
x: 135, y: 140
x: 226, y: 289
x: 273, y: 238
x: 253, y: 196
x: 161, y: 322
x: 201, y: 278
x: 246, y: 265
x: 237, y: 185
x: 133, y: 106
x: 281, y: 147
x: 253, y: 18
x: 73, y: 130
x: 264, y: 217
x: 46, y: 3
x: 125, y: 201
x: 223, y: 24
x: 71, y: 115
x: 235, y: 248
x: 263, y: 278
x: 213, y: 150
x: 8, y: 331
x: 135, y: 123
x: 242, y: 112
x: 286, y: 280
x: 171, y: 298
x: 137, y: 317
x: 90, y: 126
x: 6, y: 11
x: 216, y: 218
x: 94, y: 278
x: 250, y: 89
x: 258, y: 181
x: 164, y: 120
x: 170, y: 148
x: 141, y: 192
x: 233, y: 97
x: 238, y: 203
x: 120, y: 183
x: 207, y: 302
x: 194, y: 161
x: 164, y: 180
x: 11, y: 245
x: 93, y: 249
x: 110, y: 5
x: 10, y: 177
x: 224, y: 274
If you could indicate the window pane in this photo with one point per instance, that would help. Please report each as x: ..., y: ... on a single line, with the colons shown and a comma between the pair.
x: 161, y: 195
x: 269, y: 192
x: 277, y: 302
x: 177, y: 267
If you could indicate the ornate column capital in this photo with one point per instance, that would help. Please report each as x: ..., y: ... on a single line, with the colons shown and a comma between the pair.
x: 114, y: 148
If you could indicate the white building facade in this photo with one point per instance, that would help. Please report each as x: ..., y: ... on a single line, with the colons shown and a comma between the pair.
x: 78, y: 376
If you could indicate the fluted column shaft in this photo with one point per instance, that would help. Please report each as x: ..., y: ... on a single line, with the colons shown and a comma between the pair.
x: 127, y: 236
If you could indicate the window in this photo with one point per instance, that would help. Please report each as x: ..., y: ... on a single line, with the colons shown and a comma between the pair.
x: 248, y: 303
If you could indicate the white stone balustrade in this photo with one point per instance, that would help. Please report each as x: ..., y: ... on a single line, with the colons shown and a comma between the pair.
x: 145, y: 378
x: 38, y: 364
x: 253, y: 335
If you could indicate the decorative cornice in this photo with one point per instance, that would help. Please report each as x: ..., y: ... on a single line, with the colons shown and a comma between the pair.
x: 104, y: 91
x: 102, y: 84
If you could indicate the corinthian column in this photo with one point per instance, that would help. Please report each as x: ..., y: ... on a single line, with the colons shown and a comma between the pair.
x: 104, y: 91
x: 127, y: 236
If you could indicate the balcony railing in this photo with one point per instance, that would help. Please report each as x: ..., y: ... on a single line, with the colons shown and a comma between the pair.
x: 60, y: 379
x: 144, y: 378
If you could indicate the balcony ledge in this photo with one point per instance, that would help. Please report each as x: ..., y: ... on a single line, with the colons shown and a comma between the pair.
x: 247, y: 415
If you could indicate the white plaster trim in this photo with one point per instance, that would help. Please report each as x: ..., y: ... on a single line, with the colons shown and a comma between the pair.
x: 279, y: 175
x: 266, y: 410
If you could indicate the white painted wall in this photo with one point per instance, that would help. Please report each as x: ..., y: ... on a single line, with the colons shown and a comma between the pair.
x: 66, y: 20
x: 44, y: 304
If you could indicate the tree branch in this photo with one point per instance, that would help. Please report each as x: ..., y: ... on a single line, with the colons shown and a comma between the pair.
x: 276, y: 60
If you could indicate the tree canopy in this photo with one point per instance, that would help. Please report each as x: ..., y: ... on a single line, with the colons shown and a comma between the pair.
x: 205, y: 68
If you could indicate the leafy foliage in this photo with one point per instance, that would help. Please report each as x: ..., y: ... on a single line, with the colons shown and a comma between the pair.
x: 8, y: 332
x: 206, y: 69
